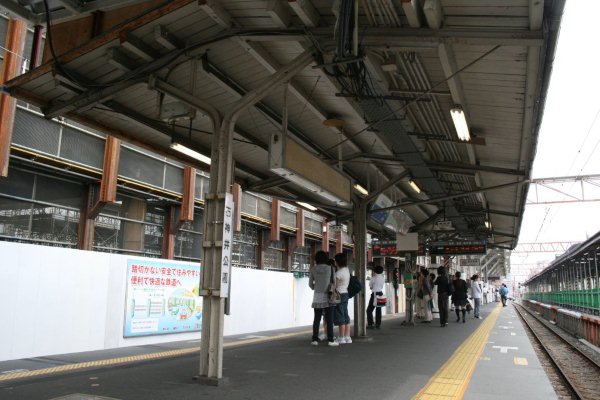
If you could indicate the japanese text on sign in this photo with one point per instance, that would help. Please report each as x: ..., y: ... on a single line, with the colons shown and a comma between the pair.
x: 226, y: 249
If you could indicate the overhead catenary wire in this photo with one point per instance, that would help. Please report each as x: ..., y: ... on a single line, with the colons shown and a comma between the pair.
x: 555, y: 209
x: 583, y: 144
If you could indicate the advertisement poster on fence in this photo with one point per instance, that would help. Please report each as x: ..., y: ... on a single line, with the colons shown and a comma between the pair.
x: 162, y: 297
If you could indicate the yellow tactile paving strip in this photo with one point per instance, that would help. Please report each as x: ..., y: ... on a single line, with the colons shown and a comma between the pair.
x: 452, y: 379
x: 144, y: 357
x: 132, y: 359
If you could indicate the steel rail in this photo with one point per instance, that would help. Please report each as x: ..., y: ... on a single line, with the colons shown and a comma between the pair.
x: 560, y: 370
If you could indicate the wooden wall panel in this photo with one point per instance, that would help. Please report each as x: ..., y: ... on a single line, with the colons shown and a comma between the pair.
x: 110, y: 170
x: 11, y: 67
x: 275, y: 219
x: 189, y: 190
x: 89, y: 26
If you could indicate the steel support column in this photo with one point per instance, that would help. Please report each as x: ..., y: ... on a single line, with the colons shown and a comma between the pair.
x: 221, y: 172
x: 360, y: 266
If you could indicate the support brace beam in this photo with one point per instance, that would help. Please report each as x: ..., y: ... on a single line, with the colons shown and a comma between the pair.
x: 452, y: 196
x: 110, y: 173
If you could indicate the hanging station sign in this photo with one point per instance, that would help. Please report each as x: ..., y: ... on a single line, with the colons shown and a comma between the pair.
x: 457, y: 248
x: 384, y: 248
x: 398, y: 247
x: 469, y: 262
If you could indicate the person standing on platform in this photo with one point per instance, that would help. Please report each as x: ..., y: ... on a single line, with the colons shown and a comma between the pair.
x: 323, y: 336
x: 320, y: 276
x: 376, y: 284
x: 476, y: 293
x: 340, y: 315
x: 432, y: 286
x: 460, y: 297
x: 443, y: 291
x: 426, y: 290
x: 419, y: 298
x: 503, y: 294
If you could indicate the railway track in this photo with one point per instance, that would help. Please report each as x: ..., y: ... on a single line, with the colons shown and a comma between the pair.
x: 580, y: 373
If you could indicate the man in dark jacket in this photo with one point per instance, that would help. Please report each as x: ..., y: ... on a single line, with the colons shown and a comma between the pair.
x: 443, y: 292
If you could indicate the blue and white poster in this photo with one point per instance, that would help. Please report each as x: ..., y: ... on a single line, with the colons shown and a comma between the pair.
x: 162, y: 297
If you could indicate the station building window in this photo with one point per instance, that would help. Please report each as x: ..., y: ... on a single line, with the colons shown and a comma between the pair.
x: 36, y: 208
x: 301, y: 260
x: 122, y: 227
x: 245, y: 245
x: 188, y: 244
x: 274, y: 256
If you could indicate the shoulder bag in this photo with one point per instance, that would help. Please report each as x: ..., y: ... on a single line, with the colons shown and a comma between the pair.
x: 354, y: 286
x: 333, y: 295
x: 380, y: 299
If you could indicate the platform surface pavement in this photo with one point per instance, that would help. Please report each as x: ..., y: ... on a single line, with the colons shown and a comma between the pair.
x: 396, y: 362
x: 509, y: 366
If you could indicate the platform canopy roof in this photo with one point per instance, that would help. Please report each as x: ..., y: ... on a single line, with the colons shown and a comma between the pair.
x: 375, y: 101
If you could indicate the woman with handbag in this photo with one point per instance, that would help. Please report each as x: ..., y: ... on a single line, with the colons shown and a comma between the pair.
x: 320, y: 279
x: 376, y: 284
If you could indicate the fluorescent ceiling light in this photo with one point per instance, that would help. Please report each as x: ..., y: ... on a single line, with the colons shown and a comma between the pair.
x: 361, y: 189
x: 307, y: 206
x: 189, y: 152
x: 414, y: 185
x: 460, y: 123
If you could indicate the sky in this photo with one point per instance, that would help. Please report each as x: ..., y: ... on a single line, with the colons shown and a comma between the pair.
x: 569, y: 139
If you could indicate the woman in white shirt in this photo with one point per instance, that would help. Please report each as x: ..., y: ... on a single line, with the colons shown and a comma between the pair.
x: 340, y: 314
x: 376, y: 284
x: 476, y: 293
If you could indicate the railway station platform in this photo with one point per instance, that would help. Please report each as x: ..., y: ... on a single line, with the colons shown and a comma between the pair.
x: 490, y: 358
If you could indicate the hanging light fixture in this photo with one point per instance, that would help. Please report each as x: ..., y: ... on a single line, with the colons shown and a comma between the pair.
x: 361, y: 190
x: 414, y: 186
x: 460, y: 123
x: 307, y: 206
x: 189, y: 152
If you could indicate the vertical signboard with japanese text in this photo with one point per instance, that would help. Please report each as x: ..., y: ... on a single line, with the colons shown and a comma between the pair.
x: 226, y: 250
x: 162, y: 297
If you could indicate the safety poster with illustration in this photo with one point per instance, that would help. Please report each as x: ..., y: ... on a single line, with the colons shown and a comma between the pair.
x: 162, y: 297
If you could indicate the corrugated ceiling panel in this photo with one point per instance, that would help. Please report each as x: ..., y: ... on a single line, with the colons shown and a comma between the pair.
x: 484, y: 3
x: 500, y: 10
